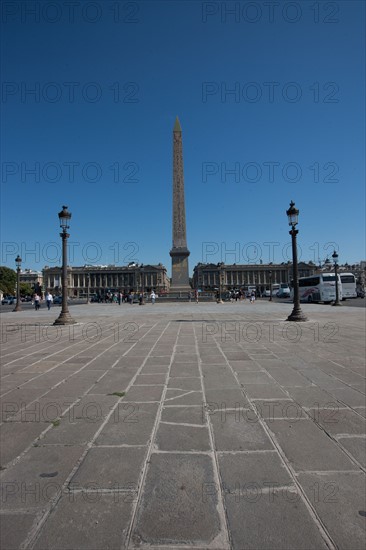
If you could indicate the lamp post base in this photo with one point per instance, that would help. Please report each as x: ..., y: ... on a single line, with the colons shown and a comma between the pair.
x: 297, y: 315
x: 18, y: 308
x: 65, y: 319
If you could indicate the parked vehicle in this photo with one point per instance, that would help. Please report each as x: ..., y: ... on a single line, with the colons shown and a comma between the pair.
x: 319, y: 288
x: 360, y: 293
x: 8, y: 300
x: 57, y: 300
x: 275, y: 289
x: 266, y: 293
x: 348, y: 285
x: 284, y: 291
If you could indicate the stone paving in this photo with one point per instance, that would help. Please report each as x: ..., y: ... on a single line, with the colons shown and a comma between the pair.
x: 183, y: 426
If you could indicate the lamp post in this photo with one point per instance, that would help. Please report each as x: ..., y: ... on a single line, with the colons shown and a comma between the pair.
x: 64, y: 318
x: 335, y: 260
x: 142, y: 284
x: 270, y: 286
x: 87, y: 288
x: 18, y: 261
x: 219, y: 265
x: 292, y: 214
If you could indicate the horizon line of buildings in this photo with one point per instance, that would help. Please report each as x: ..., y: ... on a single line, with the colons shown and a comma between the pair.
x: 100, y: 279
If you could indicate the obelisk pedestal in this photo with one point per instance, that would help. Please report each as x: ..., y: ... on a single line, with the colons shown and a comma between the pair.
x: 179, y: 252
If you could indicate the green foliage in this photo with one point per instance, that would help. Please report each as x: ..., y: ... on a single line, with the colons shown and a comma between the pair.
x: 8, y: 278
x: 26, y: 289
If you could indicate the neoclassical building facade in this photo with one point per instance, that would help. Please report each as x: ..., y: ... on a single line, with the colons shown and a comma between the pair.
x: 102, y: 279
x: 206, y: 277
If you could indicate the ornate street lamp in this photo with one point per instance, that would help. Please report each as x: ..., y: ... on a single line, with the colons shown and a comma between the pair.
x: 220, y: 265
x: 142, y: 284
x: 292, y: 214
x: 64, y: 317
x: 87, y: 288
x: 270, y: 286
x: 335, y: 260
x: 18, y: 261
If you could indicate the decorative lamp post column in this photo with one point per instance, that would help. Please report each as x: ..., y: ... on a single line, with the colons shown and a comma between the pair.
x: 18, y: 261
x: 335, y: 260
x: 270, y: 286
x: 87, y: 288
x: 220, y: 265
x: 292, y: 214
x: 64, y: 317
x: 142, y: 284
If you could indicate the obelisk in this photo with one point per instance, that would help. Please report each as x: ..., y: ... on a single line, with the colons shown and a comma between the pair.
x: 179, y: 251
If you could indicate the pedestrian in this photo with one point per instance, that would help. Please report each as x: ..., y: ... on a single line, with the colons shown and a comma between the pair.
x: 196, y: 296
x: 152, y: 297
x: 119, y: 298
x: 37, y: 301
x: 252, y: 297
x: 49, y: 300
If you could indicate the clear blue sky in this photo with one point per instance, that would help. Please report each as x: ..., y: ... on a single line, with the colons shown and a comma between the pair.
x: 274, y: 94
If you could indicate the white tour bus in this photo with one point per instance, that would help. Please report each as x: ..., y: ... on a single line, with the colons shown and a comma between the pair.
x: 318, y: 288
x: 348, y: 285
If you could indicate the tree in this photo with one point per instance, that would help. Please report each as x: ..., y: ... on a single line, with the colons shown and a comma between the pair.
x: 26, y: 289
x: 8, y: 279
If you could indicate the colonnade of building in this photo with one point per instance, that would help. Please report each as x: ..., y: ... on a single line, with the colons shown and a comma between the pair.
x: 207, y: 276
x: 100, y: 280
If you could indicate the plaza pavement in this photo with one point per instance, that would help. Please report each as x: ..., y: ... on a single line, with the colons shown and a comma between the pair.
x: 183, y: 426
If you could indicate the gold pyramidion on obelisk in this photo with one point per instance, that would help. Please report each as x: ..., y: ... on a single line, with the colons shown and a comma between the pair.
x: 179, y: 251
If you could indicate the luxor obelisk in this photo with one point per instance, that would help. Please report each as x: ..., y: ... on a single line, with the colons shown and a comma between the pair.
x: 179, y: 251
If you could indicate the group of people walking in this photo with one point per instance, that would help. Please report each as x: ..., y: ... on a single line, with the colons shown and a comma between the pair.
x: 126, y: 297
x: 37, y: 299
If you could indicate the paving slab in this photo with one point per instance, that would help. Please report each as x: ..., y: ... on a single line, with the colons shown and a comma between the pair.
x: 131, y: 424
x: 38, y: 477
x: 278, y: 408
x: 264, y: 391
x: 349, y: 396
x: 301, y: 441
x: 288, y: 377
x: 185, y: 383
x: 184, y: 370
x: 181, y: 511
x: 184, y: 438
x: 260, y: 377
x: 225, y: 398
x: 155, y: 369
x: 15, y: 437
x: 245, y: 366
x: 104, y: 519
x: 339, y: 495
x: 257, y: 521
x: 14, y: 529
x: 144, y: 393
x: 194, y: 415
x: 336, y: 420
x: 213, y: 381
x: 147, y: 379
x: 114, y: 468
x: 239, y: 432
x: 313, y: 397
x: 183, y: 397
x: 241, y: 472
x: 71, y: 431
x: 356, y: 447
